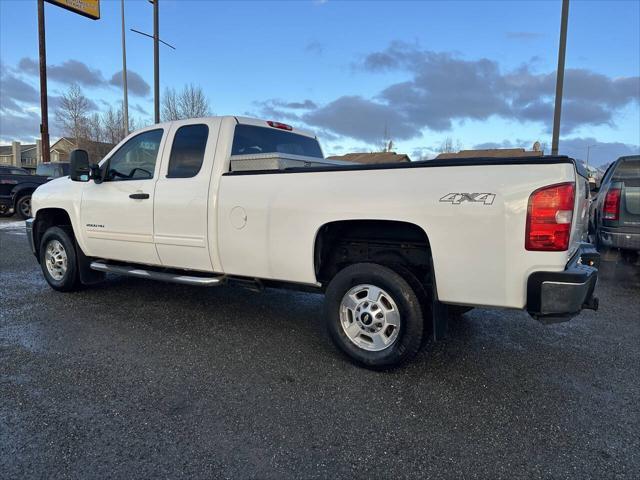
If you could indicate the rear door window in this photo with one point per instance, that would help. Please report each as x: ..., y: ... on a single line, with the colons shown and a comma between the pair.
x: 251, y: 139
x: 187, y: 152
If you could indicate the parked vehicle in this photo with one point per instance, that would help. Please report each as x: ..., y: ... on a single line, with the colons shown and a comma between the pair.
x: 16, y: 188
x: 53, y: 169
x: 615, y: 217
x: 390, y: 245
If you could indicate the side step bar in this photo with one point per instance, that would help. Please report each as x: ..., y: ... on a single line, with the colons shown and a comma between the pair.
x: 163, y: 276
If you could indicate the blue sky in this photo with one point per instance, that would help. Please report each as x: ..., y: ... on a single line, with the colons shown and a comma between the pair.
x: 478, y: 72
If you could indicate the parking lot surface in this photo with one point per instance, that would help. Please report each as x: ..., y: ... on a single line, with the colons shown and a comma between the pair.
x: 135, y: 379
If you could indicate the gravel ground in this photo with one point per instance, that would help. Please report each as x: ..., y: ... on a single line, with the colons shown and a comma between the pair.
x: 135, y: 379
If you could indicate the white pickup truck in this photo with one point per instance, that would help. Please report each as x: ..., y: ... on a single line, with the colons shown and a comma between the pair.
x: 396, y: 248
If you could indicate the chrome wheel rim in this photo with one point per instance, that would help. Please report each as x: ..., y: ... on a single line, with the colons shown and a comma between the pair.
x: 25, y: 207
x: 56, y: 259
x: 370, y: 318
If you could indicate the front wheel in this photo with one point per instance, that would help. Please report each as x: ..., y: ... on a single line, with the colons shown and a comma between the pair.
x: 58, y: 260
x: 374, y: 316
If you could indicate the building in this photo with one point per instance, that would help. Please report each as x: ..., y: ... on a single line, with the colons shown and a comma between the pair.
x: 374, y: 157
x: 29, y: 156
x: 61, y: 149
x: 21, y: 155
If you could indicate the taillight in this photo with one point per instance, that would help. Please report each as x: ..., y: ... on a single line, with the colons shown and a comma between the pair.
x: 611, y: 209
x: 549, y: 216
x: 282, y: 126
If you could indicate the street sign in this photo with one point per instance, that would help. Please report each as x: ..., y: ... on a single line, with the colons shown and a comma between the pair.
x: 87, y: 8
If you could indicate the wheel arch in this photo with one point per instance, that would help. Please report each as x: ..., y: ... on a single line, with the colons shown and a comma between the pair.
x: 46, y: 218
x: 406, y: 241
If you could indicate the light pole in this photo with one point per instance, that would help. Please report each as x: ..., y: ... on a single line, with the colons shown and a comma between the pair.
x: 125, y: 107
x: 555, y: 140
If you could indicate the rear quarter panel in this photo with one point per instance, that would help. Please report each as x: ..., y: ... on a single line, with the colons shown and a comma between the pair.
x: 478, y: 249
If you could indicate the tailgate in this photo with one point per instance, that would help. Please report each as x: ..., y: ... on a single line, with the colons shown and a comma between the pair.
x: 581, y: 213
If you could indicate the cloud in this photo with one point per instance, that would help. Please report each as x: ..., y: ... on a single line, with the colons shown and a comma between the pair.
x: 15, y: 91
x: 443, y: 88
x: 600, y: 153
x: 525, y: 36
x: 314, y: 47
x: 304, y: 105
x: 139, y: 108
x: 357, y: 117
x: 73, y: 71
x: 29, y: 66
x: 24, y: 127
x: 135, y: 83
x: 68, y: 72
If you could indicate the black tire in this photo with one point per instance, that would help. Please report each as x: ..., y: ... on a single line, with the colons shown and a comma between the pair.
x: 70, y: 280
x: 411, y: 327
x: 23, y: 207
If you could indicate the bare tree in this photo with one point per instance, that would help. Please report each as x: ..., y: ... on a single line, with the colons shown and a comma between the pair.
x: 112, y: 121
x: 95, y: 130
x: 170, y: 110
x: 191, y: 102
x: 73, y: 113
x: 447, y: 146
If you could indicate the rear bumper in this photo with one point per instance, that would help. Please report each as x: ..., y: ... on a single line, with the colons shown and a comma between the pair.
x: 558, y: 296
x: 624, y: 240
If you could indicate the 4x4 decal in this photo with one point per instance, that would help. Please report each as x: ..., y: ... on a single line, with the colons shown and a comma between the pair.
x: 458, y: 198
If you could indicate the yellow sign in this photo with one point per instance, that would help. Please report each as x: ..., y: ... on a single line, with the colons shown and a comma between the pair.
x: 88, y: 8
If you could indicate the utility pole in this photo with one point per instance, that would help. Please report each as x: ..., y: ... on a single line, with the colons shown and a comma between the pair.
x: 156, y: 58
x: 555, y: 140
x: 125, y: 107
x: 44, y: 107
x: 156, y: 61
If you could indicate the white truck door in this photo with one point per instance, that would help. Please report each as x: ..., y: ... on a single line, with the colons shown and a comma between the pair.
x: 117, y: 214
x: 182, y: 195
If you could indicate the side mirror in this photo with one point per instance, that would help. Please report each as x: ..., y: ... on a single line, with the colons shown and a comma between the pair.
x: 79, y: 166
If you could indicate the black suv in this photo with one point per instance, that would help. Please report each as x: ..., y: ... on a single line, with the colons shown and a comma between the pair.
x: 16, y: 187
x: 615, y: 219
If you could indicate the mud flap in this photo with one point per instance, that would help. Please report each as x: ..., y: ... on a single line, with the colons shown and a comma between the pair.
x: 440, y: 318
x: 88, y: 276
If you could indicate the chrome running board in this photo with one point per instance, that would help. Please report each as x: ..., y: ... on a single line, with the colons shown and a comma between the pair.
x: 162, y: 276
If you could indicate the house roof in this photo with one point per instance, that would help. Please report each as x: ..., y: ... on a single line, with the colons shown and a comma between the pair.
x: 374, y: 157
x: 65, y: 143
x: 8, y: 149
x: 492, y: 152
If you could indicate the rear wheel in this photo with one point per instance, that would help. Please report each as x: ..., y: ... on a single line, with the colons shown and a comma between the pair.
x: 58, y: 260
x: 374, y: 316
x: 23, y: 206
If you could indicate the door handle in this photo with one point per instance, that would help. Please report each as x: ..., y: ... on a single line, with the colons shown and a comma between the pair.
x: 139, y: 196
